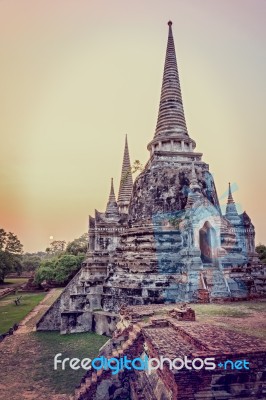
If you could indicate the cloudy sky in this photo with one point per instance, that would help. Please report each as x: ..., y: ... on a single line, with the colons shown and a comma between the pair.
x: 77, y: 75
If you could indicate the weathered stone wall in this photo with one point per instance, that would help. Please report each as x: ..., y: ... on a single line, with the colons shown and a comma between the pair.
x: 51, y: 320
x: 104, y: 323
x: 164, y: 185
x: 259, y: 276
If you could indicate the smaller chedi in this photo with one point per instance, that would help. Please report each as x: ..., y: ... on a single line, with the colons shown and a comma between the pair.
x: 165, y: 240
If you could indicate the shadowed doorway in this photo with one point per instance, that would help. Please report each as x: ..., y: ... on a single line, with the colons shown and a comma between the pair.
x: 208, y: 243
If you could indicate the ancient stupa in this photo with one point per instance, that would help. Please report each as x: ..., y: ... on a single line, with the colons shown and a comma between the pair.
x: 165, y: 239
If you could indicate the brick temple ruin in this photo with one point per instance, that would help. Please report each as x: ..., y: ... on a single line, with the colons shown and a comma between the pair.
x: 171, y: 331
x: 165, y: 240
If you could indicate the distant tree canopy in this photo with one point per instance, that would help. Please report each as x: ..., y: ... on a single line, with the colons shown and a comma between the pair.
x: 56, y: 247
x: 58, y: 264
x: 31, y: 261
x: 78, y: 246
x: 10, y: 254
x: 261, y: 250
x: 59, y: 270
x: 62, y: 261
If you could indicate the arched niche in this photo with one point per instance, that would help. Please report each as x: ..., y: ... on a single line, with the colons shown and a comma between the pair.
x: 208, y: 243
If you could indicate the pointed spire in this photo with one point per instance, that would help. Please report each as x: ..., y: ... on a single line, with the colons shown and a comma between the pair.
x: 111, y: 208
x: 230, y: 197
x: 112, y: 192
x: 126, y: 181
x: 171, y: 118
x: 231, y: 212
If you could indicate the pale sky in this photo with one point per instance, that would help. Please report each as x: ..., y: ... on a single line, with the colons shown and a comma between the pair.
x: 77, y: 75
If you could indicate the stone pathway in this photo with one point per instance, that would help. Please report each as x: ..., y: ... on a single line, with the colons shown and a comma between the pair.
x: 28, y: 324
x: 6, y: 292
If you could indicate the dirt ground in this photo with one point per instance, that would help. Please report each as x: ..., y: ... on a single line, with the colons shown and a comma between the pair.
x: 18, y: 356
x: 247, y: 317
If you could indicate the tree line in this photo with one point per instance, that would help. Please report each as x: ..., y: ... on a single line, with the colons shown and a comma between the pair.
x: 56, y: 265
x: 62, y: 261
x: 10, y: 254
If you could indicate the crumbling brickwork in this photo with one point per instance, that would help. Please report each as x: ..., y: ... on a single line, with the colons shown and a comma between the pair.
x: 166, y: 336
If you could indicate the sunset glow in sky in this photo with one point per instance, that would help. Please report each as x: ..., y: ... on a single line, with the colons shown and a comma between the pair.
x: 77, y: 75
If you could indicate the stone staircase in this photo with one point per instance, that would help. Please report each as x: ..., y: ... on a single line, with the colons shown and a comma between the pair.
x: 120, y: 347
x: 216, y: 283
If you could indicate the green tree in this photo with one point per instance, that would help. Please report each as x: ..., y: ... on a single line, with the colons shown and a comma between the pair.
x: 78, y: 246
x: 10, y: 254
x: 6, y: 264
x: 45, y: 272
x: 13, y: 245
x: 66, y: 267
x: 30, y: 262
x: 56, y: 247
x: 3, y: 235
x: 58, y: 270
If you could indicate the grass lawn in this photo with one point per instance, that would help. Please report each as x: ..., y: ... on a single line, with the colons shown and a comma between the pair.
x: 238, y: 309
x: 79, y: 345
x: 11, y: 314
x: 13, y: 282
x: 246, y: 317
x: 222, y: 310
x: 30, y: 355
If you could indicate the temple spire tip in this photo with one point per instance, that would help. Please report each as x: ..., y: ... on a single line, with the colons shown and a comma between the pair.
x: 126, y: 181
x: 230, y: 196
x: 112, y: 191
x: 171, y: 119
x: 111, y: 208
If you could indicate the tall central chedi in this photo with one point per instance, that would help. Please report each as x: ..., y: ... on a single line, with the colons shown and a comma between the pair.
x: 165, y: 239
x: 163, y: 186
